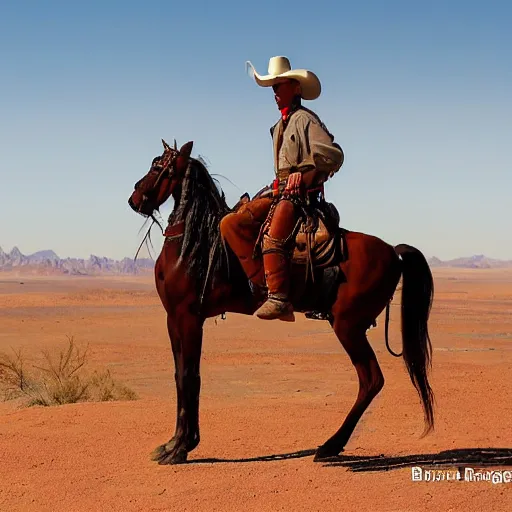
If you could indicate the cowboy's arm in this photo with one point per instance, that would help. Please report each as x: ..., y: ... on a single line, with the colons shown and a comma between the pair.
x: 323, y: 157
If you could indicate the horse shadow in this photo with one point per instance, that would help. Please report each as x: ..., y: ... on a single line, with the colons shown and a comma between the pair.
x: 461, y: 457
x: 263, y: 458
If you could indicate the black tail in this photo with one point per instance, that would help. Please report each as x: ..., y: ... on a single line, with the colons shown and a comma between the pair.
x: 417, y: 296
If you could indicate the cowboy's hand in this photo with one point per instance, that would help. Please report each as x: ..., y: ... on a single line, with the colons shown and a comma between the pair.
x: 293, y: 184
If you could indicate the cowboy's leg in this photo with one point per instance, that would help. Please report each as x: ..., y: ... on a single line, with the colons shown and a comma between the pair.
x: 241, y: 230
x: 278, y: 245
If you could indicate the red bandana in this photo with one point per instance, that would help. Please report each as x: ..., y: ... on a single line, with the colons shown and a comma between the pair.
x: 284, y: 112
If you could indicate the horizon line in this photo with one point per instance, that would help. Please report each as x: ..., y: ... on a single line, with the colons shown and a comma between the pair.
x: 476, y: 255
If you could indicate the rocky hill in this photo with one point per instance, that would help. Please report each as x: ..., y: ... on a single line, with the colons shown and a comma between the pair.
x: 49, y: 263
x: 476, y: 261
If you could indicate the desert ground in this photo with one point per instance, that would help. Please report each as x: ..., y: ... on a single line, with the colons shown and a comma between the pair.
x: 271, y: 393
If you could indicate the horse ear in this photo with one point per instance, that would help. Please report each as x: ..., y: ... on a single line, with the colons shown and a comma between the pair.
x: 184, y: 155
x: 166, y: 146
x: 186, y: 149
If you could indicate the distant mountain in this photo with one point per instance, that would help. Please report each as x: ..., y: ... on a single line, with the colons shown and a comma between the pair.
x: 476, y: 261
x: 48, y: 262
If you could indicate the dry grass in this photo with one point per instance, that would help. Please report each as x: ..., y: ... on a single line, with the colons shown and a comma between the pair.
x: 61, y: 379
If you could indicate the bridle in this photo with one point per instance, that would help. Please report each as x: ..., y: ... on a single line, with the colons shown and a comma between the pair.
x: 166, y: 163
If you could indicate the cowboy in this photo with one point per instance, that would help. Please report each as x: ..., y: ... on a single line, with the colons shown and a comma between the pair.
x: 305, y: 156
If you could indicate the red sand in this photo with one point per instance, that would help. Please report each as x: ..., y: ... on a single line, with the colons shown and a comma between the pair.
x: 267, y: 389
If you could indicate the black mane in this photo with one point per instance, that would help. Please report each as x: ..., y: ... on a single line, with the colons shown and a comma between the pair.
x: 202, y: 205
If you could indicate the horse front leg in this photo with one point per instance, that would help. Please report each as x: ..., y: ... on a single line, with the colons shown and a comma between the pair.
x: 186, y: 334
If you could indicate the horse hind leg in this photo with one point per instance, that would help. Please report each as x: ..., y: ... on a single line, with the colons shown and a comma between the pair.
x: 371, y: 381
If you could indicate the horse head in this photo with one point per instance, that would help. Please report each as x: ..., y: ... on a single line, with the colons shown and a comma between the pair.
x: 163, y: 179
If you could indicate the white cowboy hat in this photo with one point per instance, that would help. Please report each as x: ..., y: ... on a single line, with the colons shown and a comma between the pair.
x: 279, y: 69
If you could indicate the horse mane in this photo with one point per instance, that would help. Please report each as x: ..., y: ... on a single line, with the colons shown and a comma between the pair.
x: 202, y: 205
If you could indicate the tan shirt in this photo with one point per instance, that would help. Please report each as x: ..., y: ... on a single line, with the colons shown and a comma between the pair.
x: 304, y: 145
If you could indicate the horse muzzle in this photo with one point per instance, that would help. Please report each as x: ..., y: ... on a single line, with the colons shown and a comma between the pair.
x: 132, y: 205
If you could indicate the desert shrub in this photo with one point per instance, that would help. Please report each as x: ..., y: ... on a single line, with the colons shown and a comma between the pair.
x: 61, y: 379
x: 14, y: 379
x: 105, y: 388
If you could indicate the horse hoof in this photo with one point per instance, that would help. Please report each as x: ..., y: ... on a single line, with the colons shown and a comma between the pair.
x: 165, y: 456
x: 163, y: 449
x: 176, y: 457
x: 158, y: 452
x: 324, y: 454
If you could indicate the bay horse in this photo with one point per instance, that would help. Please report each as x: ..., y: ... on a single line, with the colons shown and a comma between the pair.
x: 197, y: 277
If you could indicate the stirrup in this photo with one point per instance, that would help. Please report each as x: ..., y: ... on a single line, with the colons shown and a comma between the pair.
x: 319, y: 315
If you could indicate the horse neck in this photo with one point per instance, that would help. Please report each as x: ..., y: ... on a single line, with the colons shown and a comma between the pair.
x: 207, y: 256
x: 178, y: 212
x: 201, y: 240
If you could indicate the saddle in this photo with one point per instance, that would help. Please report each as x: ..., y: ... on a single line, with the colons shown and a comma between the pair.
x: 318, y: 240
x: 318, y: 237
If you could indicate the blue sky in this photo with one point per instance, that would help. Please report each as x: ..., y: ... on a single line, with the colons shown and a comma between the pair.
x: 418, y: 94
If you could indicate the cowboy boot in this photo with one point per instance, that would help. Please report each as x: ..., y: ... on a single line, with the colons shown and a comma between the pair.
x: 276, y: 261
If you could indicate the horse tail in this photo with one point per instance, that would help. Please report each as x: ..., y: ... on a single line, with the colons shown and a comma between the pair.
x: 386, y: 333
x: 417, y: 297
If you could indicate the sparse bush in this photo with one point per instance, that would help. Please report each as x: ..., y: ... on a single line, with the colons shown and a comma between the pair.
x: 61, y: 380
x: 13, y: 376
x: 105, y: 388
